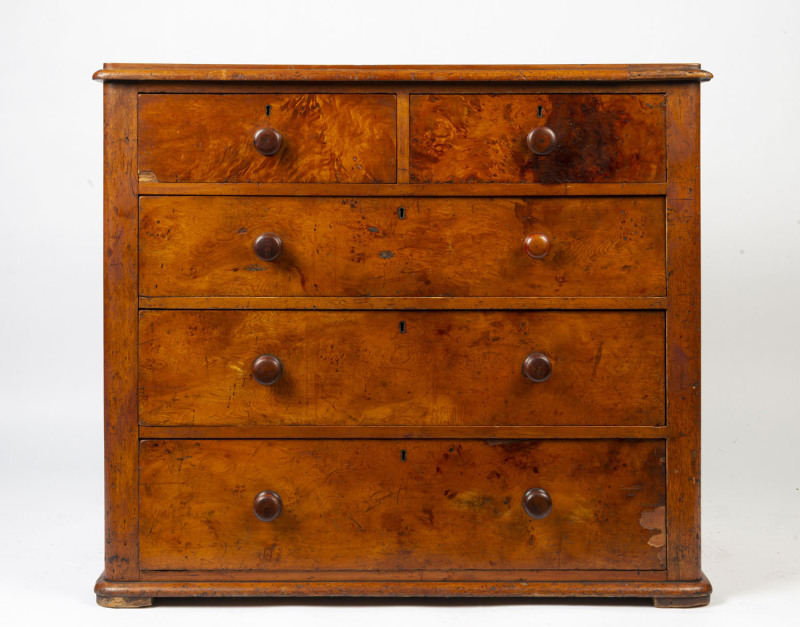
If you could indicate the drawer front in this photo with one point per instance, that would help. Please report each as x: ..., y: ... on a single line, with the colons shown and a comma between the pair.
x: 401, y: 368
x: 401, y: 505
x: 588, y: 246
x: 587, y: 138
x: 321, y: 138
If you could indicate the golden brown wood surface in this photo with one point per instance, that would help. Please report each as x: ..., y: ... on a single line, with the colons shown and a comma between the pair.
x: 599, y: 246
x: 481, y: 138
x: 369, y: 73
x: 661, y: 590
x: 148, y: 187
x: 398, y: 576
x: 401, y: 505
x: 407, y: 432
x: 398, y: 439
x: 683, y: 333
x: 119, y: 329
x: 328, y: 138
x: 402, y: 302
x: 401, y: 368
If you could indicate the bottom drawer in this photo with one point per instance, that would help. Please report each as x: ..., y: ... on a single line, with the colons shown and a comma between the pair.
x: 402, y: 504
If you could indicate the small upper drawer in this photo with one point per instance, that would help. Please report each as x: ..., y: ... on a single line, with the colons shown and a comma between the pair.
x: 268, y: 138
x: 537, y: 138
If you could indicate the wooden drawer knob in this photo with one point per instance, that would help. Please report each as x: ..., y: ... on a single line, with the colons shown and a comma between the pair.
x: 267, y: 506
x: 537, y: 503
x: 537, y: 367
x: 267, y: 369
x: 268, y: 246
x: 542, y: 140
x: 267, y: 141
x: 537, y: 245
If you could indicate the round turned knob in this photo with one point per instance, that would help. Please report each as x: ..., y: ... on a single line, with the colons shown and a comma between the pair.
x: 268, y: 246
x: 267, y: 141
x: 537, y: 503
x: 542, y: 140
x: 537, y: 367
x: 537, y: 245
x: 267, y: 369
x: 267, y: 506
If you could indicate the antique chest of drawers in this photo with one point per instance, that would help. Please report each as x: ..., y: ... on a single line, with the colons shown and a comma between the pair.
x: 402, y: 331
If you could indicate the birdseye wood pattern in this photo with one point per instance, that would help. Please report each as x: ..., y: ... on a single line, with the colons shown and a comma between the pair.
x: 402, y: 331
x: 325, y: 138
x: 402, y: 505
x: 401, y: 368
x: 484, y: 138
x: 601, y: 246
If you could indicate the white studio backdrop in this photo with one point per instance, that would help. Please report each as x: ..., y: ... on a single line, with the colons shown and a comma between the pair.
x: 51, y: 280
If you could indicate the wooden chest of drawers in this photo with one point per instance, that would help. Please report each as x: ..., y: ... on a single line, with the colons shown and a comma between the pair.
x: 402, y: 331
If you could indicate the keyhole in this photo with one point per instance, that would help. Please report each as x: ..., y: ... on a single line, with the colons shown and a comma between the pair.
x: 401, y: 213
x: 403, y: 455
x: 402, y: 326
x: 539, y: 111
x: 268, y: 109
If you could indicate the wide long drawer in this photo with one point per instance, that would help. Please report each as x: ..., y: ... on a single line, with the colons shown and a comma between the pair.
x: 401, y: 368
x: 251, y: 246
x: 317, y: 505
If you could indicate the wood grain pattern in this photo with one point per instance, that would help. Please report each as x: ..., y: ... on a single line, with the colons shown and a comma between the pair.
x: 421, y: 87
x: 449, y: 505
x: 204, y: 246
x: 403, y: 302
x: 148, y: 187
x: 369, y: 73
x: 482, y: 138
x: 360, y: 396
x: 407, y: 432
x: 120, y: 329
x: 399, y: 576
x: 527, y: 589
x: 683, y: 332
x: 327, y: 138
x: 362, y: 368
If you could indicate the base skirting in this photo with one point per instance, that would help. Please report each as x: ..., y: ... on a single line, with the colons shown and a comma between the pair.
x: 664, y: 593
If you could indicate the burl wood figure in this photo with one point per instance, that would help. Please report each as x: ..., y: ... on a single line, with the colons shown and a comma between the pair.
x: 402, y: 331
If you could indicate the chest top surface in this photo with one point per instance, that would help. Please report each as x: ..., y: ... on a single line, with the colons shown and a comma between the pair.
x: 413, y: 73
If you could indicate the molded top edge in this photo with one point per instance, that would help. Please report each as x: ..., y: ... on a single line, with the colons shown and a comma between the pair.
x: 395, y: 73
